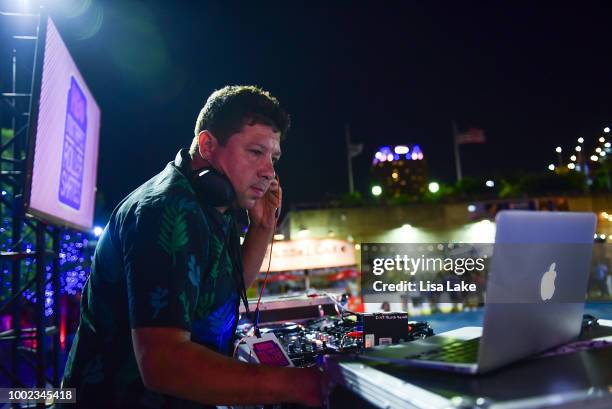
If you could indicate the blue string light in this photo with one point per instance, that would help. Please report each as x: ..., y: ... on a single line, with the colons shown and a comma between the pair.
x: 75, y: 265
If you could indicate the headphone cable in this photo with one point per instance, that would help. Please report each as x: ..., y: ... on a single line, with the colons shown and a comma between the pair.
x: 263, y: 287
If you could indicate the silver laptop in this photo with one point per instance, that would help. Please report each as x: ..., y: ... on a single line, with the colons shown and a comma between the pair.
x: 535, y: 295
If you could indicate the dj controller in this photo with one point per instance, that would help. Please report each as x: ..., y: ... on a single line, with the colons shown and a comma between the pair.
x: 306, y: 341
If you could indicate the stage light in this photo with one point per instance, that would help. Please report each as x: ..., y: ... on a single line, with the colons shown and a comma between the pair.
x: 581, y: 140
x: 434, y: 187
x: 573, y: 158
x: 394, y: 175
x: 97, y: 231
x: 376, y: 190
x: 578, y: 148
x: 490, y: 183
x: 602, y: 154
x: 602, y: 139
x: 602, y: 236
x: 551, y: 167
x: 558, y: 150
x: 607, y: 144
x: 594, y: 158
x: 607, y: 129
x: 357, y: 246
x: 598, y: 150
x: 571, y: 166
x: 471, y: 208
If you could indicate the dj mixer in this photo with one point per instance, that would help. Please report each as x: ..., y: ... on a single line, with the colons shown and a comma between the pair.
x: 306, y: 342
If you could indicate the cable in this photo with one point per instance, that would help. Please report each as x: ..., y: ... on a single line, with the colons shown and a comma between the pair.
x: 256, y: 323
x: 263, y: 287
x: 238, y: 344
x: 338, y: 305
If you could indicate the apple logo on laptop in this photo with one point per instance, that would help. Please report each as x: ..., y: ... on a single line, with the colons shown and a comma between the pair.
x: 547, y: 285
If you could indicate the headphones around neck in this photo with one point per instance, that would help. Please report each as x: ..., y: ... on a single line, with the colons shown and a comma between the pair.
x: 212, y: 187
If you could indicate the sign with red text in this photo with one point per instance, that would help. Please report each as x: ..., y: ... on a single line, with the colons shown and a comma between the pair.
x: 308, y: 253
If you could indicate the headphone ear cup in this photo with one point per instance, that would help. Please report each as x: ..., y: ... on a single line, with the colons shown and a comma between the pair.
x: 213, y: 188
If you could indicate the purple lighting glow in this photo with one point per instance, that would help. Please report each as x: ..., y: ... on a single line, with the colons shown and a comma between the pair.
x: 399, y: 152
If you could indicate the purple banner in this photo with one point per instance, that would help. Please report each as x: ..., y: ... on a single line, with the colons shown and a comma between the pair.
x: 73, y: 152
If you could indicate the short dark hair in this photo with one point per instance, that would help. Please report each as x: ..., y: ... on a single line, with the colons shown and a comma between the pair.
x: 228, y: 109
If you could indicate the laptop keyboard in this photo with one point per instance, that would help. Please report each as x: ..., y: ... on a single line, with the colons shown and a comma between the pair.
x: 454, y: 352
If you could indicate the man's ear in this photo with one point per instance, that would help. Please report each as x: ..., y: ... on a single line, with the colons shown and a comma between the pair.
x: 207, y: 144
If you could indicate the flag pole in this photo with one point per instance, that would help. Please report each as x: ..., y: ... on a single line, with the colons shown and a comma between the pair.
x: 347, y: 133
x: 456, y: 147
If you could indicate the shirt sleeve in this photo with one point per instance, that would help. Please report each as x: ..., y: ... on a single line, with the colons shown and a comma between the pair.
x: 162, y: 255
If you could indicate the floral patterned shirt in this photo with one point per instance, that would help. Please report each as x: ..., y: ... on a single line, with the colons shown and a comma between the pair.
x: 163, y: 260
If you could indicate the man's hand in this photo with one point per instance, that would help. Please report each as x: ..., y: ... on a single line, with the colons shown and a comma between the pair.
x: 263, y: 221
x: 267, y: 208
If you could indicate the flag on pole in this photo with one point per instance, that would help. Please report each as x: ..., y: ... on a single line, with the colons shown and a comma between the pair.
x: 354, y: 149
x: 472, y: 135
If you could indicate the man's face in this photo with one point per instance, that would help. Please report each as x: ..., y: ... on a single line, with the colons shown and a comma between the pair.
x: 248, y: 159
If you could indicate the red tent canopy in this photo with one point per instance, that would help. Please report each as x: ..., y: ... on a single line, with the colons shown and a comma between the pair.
x: 344, y: 274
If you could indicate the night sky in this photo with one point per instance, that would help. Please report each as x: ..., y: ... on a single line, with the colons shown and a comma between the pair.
x: 533, y: 75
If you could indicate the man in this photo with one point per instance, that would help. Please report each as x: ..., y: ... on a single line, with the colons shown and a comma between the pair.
x: 160, y: 307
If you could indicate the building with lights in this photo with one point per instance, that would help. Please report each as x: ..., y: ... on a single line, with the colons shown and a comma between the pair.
x: 469, y: 222
x: 400, y: 170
